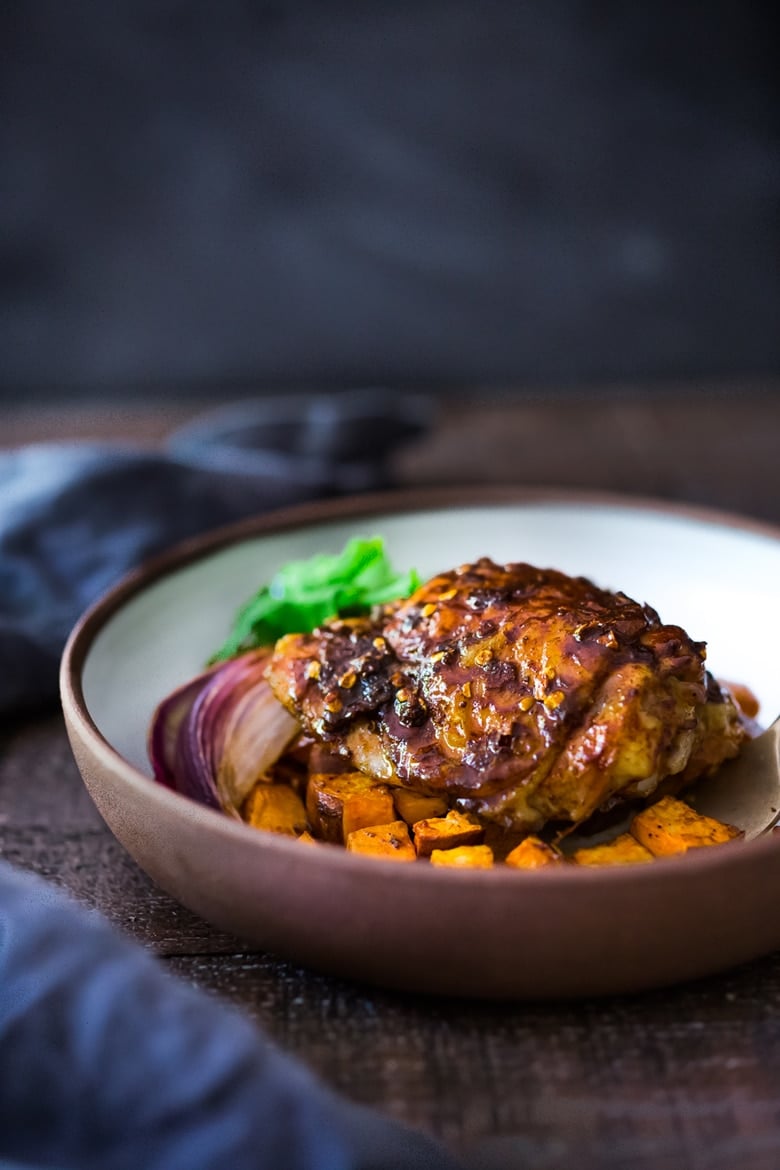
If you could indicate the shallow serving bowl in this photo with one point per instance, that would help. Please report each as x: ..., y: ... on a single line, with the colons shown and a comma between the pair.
x: 496, y: 933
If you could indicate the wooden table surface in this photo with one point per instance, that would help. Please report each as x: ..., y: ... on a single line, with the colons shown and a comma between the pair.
x: 686, y: 1077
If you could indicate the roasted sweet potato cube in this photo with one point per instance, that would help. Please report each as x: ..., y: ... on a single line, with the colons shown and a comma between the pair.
x: 340, y: 803
x: 389, y: 841
x: 464, y: 857
x: 448, y: 832
x: 307, y: 838
x: 416, y: 806
x: 671, y: 826
x: 624, y: 850
x: 275, y: 808
x: 533, y: 853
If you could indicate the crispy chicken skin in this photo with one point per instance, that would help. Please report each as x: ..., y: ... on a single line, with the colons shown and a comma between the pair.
x: 526, y: 695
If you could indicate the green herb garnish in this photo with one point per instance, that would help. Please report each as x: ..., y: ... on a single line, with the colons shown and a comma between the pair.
x: 304, y: 594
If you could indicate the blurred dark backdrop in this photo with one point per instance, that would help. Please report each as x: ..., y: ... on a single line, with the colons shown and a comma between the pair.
x: 235, y: 194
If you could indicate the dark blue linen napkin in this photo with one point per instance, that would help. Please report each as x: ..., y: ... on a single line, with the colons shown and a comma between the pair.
x: 75, y: 517
x: 109, y: 1063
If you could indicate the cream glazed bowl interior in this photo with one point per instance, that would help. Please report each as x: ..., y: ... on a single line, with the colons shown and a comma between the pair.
x: 499, y: 933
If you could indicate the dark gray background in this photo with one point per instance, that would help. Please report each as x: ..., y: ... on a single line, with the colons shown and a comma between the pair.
x: 249, y: 195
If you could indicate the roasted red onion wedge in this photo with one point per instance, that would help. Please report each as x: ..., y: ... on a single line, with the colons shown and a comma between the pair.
x: 215, y: 737
x: 165, y: 726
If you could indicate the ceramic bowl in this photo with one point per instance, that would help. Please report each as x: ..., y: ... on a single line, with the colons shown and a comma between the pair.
x: 500, y: 933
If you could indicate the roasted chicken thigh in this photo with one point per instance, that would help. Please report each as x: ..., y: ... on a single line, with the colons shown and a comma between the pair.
x: 523, y: 694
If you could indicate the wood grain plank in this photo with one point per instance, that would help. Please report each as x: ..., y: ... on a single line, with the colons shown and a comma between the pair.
x: 710, y: 443
x: 673, y: 1077
x: 93, y: 867
x: 39, y: 781
x: 705, y: 447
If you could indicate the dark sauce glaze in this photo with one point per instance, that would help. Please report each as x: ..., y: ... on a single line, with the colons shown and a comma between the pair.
x: 524, y: 692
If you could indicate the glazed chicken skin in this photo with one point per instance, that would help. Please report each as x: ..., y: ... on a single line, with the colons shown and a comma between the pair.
x: 523, y: 694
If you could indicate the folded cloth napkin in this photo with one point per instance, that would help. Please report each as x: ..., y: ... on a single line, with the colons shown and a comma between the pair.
x: 109, y: 1063
x: 106, y: 1062
x: 74, y: 518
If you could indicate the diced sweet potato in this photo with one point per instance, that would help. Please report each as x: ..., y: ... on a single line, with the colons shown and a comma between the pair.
x: 448, y: 832
x: 533, y: 853
x: 416, y: 806
x: 624, y: 850
x: 340, y: 803
x: 464, y: 857
x: 307, y: 838
x: 671, y: 826
x: 275, y: 808
x: 388, y: 841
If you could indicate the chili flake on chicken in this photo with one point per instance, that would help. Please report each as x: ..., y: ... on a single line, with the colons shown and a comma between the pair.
x: 523, y: 694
